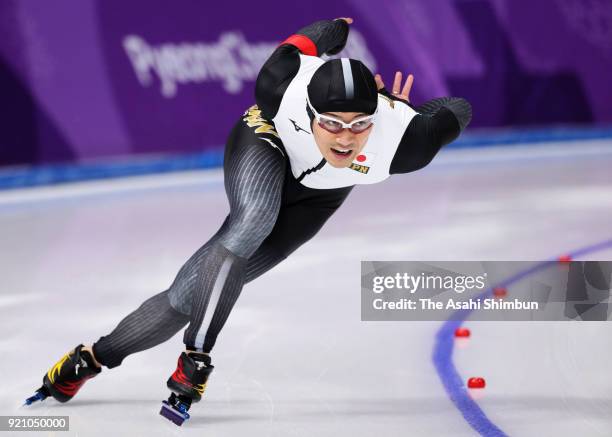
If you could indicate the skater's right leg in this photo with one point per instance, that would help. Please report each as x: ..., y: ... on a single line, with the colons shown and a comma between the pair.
x: 254, y: 175
x: 158, y: 319
x: 304, y: 213
x: 154, y: 322
x: 163, y: 315
x: 67, y: 376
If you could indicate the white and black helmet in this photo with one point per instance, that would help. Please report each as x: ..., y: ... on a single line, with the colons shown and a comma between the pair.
x: 343, y: 85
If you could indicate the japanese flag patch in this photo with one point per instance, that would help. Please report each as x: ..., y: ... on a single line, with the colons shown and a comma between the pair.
x: 363, y: 162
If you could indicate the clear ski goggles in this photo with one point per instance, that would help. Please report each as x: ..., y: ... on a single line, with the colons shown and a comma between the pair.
x: 335, y: 126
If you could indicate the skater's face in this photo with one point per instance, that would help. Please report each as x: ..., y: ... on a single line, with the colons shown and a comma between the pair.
x: 341, y: 148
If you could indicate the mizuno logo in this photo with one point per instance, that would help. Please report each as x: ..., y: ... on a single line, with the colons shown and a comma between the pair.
x: 298, y: 128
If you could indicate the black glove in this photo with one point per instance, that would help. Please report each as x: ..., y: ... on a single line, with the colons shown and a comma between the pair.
x: 328, y: 35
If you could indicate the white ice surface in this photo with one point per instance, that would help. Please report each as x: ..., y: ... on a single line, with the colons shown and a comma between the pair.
x: 294, y: 358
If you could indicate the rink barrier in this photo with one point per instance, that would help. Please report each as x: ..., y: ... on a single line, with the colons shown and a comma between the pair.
x: 78, y: 172
x: 442, y: 356
x: 49, y: 174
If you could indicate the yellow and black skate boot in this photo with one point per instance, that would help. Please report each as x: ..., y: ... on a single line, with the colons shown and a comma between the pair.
x: 67, y: 376
x: 187, y: 384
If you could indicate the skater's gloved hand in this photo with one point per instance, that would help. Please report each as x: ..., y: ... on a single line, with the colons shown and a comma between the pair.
x: 329, y: 36
x: 348, y: 20
x: 404, y: 94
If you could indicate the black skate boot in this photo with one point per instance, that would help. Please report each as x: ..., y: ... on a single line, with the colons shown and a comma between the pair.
x: 67, y: 376
x: 187, y: 384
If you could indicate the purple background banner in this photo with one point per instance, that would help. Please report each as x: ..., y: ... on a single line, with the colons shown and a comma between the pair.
x: 85, y: 79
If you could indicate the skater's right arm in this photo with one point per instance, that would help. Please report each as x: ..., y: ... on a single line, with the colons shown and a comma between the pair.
x: 322, y: 37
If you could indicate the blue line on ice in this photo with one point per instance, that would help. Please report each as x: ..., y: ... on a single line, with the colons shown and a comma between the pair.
x: 444, y: 345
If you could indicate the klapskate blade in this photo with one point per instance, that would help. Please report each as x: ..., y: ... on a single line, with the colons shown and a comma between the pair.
x: 173, y: 415
x: 38, y: 396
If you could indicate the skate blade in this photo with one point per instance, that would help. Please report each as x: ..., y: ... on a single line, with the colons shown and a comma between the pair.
x: 39, y: 396
x: 172, y: 414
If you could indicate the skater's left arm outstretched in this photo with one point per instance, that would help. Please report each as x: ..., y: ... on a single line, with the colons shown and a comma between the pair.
x: 437, y: 123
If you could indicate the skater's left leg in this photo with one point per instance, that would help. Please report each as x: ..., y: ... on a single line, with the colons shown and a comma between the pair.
x: 297, y: 223
x: 254, y: 172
